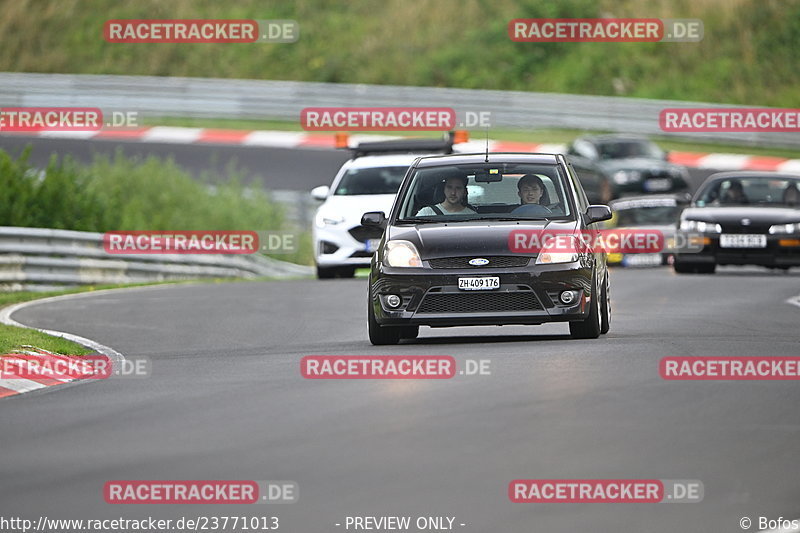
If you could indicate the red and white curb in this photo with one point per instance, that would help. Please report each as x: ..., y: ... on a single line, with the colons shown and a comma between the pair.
x: 20, y: 360
x: 13, y: 387
x: 293, y: 139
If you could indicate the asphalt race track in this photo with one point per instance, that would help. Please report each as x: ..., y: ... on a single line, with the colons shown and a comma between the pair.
x: 226, y: 401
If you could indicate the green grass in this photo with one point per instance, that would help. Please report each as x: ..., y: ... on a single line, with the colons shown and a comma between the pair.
x: 748, y: 54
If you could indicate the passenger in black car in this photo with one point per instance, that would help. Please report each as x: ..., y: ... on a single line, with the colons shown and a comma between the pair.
x: 791, y: 195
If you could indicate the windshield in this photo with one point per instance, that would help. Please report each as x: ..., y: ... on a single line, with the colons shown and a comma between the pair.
x: 377, y: 180
x: 627, y: 149
x: 486, y: 191
x: 756, y: 190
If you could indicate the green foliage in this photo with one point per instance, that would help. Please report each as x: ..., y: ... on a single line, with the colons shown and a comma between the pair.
x: 122, y: 194
x: 748, y: 54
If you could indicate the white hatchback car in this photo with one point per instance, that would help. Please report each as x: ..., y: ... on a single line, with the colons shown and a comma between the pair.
x: 367, y: 182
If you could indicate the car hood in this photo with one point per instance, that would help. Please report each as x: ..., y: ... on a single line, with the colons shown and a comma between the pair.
x: 477, y: 238
x: 636, y: 163
x: 353, y: 207
x: 757, y: 215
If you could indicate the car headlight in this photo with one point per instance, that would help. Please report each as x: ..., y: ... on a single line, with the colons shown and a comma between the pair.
x: 323, y: 219
x: 623, y: 177
x: 549, y: 256
x: 700, y: 226
x: 784, y: 228
x: 401, y: 254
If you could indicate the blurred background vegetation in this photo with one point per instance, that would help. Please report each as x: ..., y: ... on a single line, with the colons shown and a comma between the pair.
x: 132, y: 194
x: 749, y: 54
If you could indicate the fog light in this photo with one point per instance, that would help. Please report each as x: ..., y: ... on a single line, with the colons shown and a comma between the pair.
x: 567, y: 297
x: 393, y: 301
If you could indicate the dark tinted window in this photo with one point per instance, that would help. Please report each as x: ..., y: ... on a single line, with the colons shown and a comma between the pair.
x: 383, y: 180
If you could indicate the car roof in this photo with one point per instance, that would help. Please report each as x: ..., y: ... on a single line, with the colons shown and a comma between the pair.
x: 750, y: 174
x: 494, y: 157
x: 378, y: 161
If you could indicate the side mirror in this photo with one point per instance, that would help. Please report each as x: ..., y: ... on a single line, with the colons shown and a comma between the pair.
x: 320, y: 193
x: 374, y: 219
x: 597, y: 213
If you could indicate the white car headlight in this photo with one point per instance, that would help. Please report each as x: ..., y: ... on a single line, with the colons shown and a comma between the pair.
x: 623, y: 177
x: 700, y: 226
x: 324, y: 219
x: 549, y: 256
x: 784, y: 228
x: 401, y: 254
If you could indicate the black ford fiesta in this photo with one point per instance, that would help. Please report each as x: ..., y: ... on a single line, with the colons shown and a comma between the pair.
x: 745, y: 218
x: 457, y: 248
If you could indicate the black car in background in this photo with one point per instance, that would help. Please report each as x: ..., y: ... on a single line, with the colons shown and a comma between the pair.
x: 745, y: 218
x: 611, y: 166
x: 439, y: 268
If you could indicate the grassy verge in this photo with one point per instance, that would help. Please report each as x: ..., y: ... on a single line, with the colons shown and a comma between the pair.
x: 532, y: 136
x: 747, y: 56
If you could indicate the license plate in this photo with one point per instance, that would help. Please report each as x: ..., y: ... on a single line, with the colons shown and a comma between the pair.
x: 478, y: 284
x: 371, y: 245
x: 658, y: 184
x: 742, y: 241
x: 642, y: 260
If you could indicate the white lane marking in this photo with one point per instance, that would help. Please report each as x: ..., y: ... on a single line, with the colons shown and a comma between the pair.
x: 69, y: 134
x: 5, y: 318
x: 168, y: 134
x: 790, y: 165
x: 723, y: 161
x: 794, y: 301
x: 20, y: 385
x: 552, y: 148
x: 280, y: 139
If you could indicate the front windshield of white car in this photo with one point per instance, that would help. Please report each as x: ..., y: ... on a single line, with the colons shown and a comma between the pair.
x: 376, y: 180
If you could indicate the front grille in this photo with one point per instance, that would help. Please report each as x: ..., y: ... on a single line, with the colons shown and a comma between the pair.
x: 364, y: 233
x: 479, y: 302
x: 495, y: 261
x: 740, y: 228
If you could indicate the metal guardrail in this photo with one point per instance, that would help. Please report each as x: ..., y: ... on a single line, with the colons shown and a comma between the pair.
x: 283, y: 100
x: 43, y: 259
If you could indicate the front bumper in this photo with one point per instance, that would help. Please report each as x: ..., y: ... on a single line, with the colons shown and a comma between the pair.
x: 527, y: 295
x: 773, y: 255
x: 334, y: 246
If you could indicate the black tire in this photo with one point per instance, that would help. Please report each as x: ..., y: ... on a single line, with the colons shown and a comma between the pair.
x: 347, y: 272
x: 335, y: 272
x: 590, y: 327
x: 409, y: 332
x: 605, y: 302
x: 707, y: 268
x: 380, y: 335
x: 682, y: 268
x: 326, y: 272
